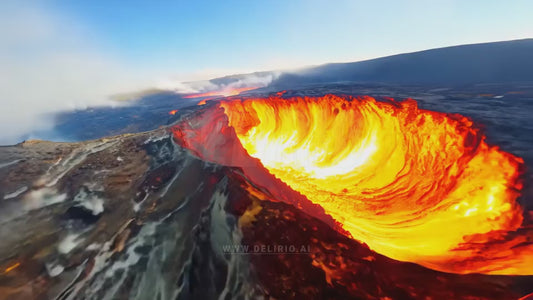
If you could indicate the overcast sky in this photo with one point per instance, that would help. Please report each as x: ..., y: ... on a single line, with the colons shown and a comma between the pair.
x: 65, y: 54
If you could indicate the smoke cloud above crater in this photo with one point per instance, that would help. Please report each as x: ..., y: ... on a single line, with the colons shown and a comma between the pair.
x: 256, y: 80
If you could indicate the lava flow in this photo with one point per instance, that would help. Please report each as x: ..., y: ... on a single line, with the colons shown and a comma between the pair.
x: 414, y: 185
x: 226, y: 92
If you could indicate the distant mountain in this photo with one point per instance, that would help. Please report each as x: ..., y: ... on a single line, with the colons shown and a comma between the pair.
x: 498, y: 62
x: 509, y: 61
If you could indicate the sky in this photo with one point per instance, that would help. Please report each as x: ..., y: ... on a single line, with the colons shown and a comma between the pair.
x: 57, y: 55
x: 191, y: 36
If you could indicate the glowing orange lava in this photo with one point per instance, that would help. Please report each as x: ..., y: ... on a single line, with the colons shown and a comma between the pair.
x: 173, y: 112
x: 412, y: 184
x: 226, y: 92
x: 11, y: 268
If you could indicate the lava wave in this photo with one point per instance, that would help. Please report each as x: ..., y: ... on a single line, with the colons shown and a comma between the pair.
x: 414, y: 185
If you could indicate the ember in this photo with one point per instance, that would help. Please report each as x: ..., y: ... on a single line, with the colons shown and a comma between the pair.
x: 11, y: 268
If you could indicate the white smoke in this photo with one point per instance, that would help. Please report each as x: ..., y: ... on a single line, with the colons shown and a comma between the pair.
x: 47, y: 65
x: 256, y: 80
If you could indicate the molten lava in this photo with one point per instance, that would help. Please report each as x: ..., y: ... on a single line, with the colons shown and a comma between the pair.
x: 11, y: 268
x: 173, y: 112
x: 226, y: 92
x: 414, y: 185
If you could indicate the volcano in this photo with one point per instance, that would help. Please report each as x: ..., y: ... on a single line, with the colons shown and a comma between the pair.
x: 283, y: 197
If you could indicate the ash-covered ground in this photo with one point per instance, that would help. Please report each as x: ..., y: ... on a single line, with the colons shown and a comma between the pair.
x: 136, y: 216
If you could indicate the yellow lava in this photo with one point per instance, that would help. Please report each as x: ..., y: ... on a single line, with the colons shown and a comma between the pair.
x: 412, y: 184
